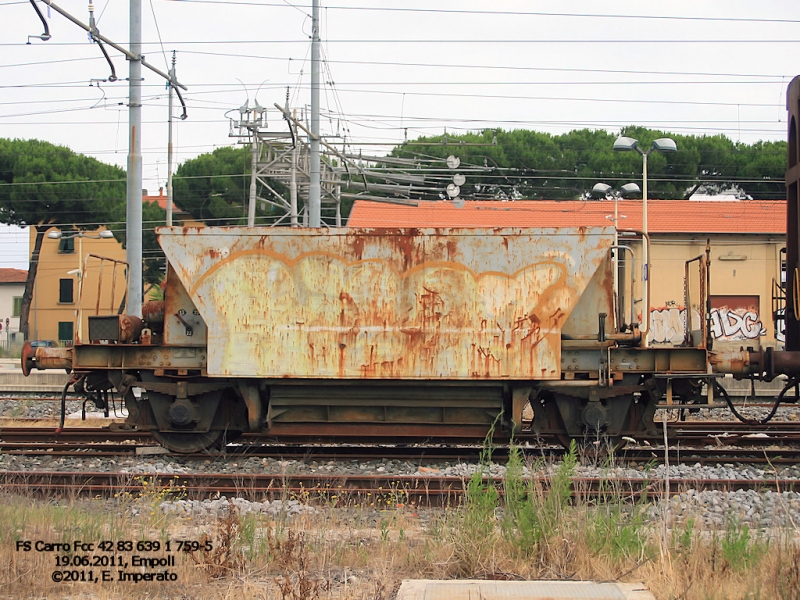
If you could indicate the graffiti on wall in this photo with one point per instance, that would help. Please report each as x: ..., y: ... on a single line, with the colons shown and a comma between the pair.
x: 733, y: 318
x: 736, y: 318
x: 733, y: 325
x: 667, y: 326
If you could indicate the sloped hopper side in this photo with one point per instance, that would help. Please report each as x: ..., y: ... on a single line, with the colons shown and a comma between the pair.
x: 459, y: 304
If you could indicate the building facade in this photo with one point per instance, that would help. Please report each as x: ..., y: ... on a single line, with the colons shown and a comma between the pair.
x: 12, y: 286
x: 79, y: 275
x: 59, y: 285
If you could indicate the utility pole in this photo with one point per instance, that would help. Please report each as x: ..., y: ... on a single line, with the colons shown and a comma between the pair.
x: 251, y: 207
x: 314, y: 202
x: 169, y: 145
x: 293, y: 180
x: 133, y: 226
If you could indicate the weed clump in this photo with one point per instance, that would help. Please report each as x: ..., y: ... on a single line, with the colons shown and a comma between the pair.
x: 290, y: 555
x: 221, y: 555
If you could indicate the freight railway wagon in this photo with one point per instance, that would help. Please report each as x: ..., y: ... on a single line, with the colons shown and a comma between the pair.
x: 384, y: 333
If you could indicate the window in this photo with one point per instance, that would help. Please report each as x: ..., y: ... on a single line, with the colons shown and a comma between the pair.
x: 65, y: 291
x: 65, y: 331
x: 16, y: 311
x: 66, y: 245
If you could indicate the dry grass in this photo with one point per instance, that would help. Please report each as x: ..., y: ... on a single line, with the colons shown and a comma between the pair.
x: 362, y: 553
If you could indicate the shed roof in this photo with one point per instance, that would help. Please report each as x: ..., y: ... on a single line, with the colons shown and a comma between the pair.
x: 13, y: 275
x: 664, y: 216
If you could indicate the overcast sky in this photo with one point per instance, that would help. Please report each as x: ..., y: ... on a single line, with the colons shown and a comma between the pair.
x: 685, y: 66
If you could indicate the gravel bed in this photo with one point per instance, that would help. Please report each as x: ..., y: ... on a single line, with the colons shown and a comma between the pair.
x: 140, y: 465
x: 786, y: 412
x: 38, y: 409
x: 712, y: 509
x: 223, y: 505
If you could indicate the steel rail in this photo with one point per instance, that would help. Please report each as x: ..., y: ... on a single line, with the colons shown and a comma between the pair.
x: 699, y: 432
x: 417, y: 454
x: 345, y: 489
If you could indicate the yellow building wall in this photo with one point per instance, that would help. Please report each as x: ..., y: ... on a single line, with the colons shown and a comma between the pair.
x: 47, y: 310
x: 743, y: 267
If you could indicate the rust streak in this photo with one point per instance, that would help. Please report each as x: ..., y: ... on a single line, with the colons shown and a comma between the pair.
x: 290, y: 262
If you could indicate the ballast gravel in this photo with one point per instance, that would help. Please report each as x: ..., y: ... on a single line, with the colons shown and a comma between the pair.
x: 711, y: 508
x: 39, y: 409
x: 223, y: 505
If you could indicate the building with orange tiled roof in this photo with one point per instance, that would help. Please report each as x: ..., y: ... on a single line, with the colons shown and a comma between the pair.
x: 179, y: 216
x: 746, y: 239
x: 664, y: 216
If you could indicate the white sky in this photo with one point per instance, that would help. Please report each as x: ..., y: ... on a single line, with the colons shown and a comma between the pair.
x: 685, y: 66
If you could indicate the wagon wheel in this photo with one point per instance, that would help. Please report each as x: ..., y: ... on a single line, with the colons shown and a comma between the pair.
x: 189, y: 442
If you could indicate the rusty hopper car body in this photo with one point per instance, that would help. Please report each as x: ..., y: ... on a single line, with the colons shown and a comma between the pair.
x: 365, y: 333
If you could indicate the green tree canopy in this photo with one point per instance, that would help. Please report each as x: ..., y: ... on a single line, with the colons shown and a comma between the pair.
x: 529, y: 164
x: 44, y: 184
x: 215, y: 187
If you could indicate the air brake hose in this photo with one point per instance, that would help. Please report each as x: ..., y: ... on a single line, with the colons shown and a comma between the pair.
x: 755, y: 422
x: 73, y: 379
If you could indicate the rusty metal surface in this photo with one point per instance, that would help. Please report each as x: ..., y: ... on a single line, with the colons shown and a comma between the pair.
x: 117, y: 329
x: 43, y: 357
x: 182, y: 324
x: 728, y: 360
x: 386, y: 303
x: 597, y: 297
x: 136, y: 356
x: 153, y: 312
x: 664, y: 360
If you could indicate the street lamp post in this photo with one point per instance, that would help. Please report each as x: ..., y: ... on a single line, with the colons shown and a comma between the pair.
x: 57, y: 235
x: 603, y: 190
x: 626, y: 144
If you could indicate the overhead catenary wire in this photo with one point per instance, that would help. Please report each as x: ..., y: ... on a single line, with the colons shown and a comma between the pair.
x: 483, y: 13
x: 471, y: 41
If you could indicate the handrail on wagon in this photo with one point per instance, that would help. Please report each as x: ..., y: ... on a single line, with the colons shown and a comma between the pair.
x: 704, y: 272
x: 115, y: 263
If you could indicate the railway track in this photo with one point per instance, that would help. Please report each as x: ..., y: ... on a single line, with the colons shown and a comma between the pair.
x: 681, y: 428
x: 428, y: 490
x: 691, y: 442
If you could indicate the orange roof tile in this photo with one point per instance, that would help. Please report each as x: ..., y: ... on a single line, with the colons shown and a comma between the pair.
x: 664, y: 216
x: 161, y: 199
x: 13, y: 275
